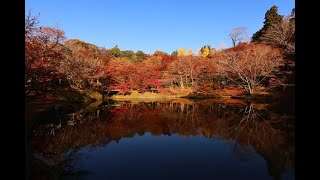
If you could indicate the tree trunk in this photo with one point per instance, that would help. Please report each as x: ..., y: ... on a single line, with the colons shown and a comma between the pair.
x: 181, y: 82
x: 186, y: 79
x: 234, y: 43
x: 192, y: 83
x: 250, y: 88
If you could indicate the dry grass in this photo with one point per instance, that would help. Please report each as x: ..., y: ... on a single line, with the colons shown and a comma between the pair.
x: 93, y: 94
x: 230, y: 92
x: 172, y: 93
x: 167, y: 94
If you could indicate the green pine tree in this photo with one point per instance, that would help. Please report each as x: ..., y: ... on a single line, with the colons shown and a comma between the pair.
x: 271, y: 17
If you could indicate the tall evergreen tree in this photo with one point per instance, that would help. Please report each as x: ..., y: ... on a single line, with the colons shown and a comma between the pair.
x: 271, y: 17
x: 116, y: 52
x: 293, y: 15
x: 174, y: 53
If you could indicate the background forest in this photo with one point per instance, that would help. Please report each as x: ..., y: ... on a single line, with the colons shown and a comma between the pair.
x: 71, y: 69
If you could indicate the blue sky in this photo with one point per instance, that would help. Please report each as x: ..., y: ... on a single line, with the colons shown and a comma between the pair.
x: 150, y: 25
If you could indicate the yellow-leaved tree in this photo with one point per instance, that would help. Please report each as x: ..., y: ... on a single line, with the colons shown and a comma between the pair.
x: 182, y: 52
x: 190, y: 52
x: 204, y: 52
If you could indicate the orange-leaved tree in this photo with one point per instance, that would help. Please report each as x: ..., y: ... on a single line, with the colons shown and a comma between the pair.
x: 250, y: 65
x: 43, y: 51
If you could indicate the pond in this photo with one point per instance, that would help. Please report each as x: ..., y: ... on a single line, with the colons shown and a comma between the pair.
x: 163, y: 139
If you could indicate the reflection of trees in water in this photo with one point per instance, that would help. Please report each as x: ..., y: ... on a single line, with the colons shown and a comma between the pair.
x: 244, y: 125
x: 57, y: 166
x: 247, y: 128
x: 253, y: 129
x: 56, y: 143
x: 261, y: 130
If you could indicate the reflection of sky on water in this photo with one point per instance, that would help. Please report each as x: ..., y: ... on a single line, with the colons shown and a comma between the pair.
x: 169, y: 157
x: 172, y: 140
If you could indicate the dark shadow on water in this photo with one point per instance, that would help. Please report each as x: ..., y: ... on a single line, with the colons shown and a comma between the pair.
x: 65, y: 141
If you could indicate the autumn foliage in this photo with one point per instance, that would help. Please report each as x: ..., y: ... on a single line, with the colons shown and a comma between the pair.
x: 250, y: 66
x: 54, y: 62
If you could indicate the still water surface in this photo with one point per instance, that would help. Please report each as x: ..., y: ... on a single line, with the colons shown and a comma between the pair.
x: 167, y: 139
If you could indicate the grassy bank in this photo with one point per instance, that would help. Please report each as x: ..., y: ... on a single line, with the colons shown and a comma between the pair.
x: 231, y: 93
x: 149, y: 95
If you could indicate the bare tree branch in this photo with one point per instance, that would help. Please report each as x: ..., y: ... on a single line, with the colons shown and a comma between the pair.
x: 249, y: 67
x: 238, y: 35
